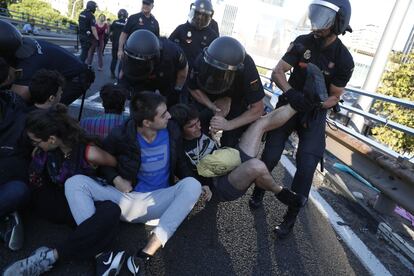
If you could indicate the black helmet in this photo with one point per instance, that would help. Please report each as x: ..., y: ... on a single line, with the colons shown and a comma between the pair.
x: 221, y: 60
x: 91, y: 5
x: 10, y: 39
x: 334, y: 14
x: 122, y: 14
x: 141, y: 54
x: 201, y: 12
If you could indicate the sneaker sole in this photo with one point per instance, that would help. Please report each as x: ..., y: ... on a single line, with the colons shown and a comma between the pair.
x: 16, y: 238
x: 113, y: 271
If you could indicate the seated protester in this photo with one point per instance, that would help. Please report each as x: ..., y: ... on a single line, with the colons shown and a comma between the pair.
x: 234, y: 181
x: 14, y: 160
x: 149, y: 151
x: 46, y: 88
x: 63, y: 150
x: 113, y: 100
x: 30, y: 28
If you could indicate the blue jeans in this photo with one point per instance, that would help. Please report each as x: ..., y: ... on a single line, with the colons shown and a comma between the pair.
x: 13, y: 195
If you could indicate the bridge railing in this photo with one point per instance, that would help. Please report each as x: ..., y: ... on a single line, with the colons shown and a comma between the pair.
x: 389, y: 171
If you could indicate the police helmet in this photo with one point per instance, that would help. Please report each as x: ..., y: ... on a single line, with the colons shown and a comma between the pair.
x: 201, y: 12
x: 13, y: 45
x: 141, y: 55
x: 220, y: 63
x: 91, y: 5
x: 334, y: 14
x: 122, y: 14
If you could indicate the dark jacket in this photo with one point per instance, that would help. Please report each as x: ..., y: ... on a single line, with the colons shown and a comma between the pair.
x: 122, y: 143
x: 14, y: 145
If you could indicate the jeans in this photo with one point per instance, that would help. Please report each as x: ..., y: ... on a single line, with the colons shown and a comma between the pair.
x: 170, y: 205
x: 13, y: 195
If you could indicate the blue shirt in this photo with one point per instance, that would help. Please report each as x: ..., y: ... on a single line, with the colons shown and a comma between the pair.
x: 154, y: 172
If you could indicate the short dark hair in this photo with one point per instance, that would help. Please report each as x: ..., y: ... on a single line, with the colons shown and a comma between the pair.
x: 4, y: 70
x: 144, y: 106
x: 182, y: 113
x: 113, y: 98
x: 45, y: 83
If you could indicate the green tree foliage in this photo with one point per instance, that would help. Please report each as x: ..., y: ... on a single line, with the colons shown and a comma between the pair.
x: 77, y: 9
x: 397, y: 81
x: 38, y: 10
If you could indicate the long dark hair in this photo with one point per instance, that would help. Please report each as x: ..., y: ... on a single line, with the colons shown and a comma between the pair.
x: 55, y: 121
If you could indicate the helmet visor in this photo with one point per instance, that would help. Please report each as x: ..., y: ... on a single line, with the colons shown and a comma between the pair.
x: 137, y: 69
x: 321, y: 17
x: 199, y: 19
x: 213, y: 80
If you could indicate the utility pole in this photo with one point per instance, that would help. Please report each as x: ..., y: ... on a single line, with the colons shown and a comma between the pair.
x: 380, y: 60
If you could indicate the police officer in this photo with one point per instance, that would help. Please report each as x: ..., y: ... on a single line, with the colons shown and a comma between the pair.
x: 31, y: 55
x: 195, y: 34
x: 87, y: 29
x: 115, y: 31
x: 323, y: 48
x: 224, y: 71
x: 152, y: 63
x: 141, y: 20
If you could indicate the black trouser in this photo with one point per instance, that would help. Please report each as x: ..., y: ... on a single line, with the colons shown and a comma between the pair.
x: 309, y: 153
x: 92, y: 236
x: 85, y: 45
x: 114, y: 57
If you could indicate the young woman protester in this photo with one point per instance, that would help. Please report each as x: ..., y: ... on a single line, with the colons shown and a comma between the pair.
x: 62, y: 150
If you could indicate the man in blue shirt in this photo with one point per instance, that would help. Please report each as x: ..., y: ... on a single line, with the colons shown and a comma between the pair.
x: 148, y: 148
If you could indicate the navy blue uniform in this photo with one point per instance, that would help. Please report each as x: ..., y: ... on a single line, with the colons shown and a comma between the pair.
x: 337, y: 65
x: 214, y: 26
x: 53, y: 57
x: 115, y: 32
x: 164, y: 75
x: 86, y: 21
x: 246, y: 89
x: 140, y: 21
x: 192, y: 41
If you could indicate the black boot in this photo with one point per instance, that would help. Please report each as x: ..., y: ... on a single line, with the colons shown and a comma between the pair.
x: 291, y: 198
x: 256, y: 200
x: 286, y: 227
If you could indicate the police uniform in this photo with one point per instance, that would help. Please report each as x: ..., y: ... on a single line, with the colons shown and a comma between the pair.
x: 52, y: 57
x: 86, y: 21
x: 214, y: 26
x: 192, y: 41
x: 140, y: 21
x: 164, y: 76
x: 116, y: 28
x: 246, y: 89
x: 337, y: 65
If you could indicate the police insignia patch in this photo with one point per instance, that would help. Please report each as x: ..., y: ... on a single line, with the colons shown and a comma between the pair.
x: 307, y: 54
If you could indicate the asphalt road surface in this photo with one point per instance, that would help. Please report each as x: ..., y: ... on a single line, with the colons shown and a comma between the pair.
x: 216, y: 239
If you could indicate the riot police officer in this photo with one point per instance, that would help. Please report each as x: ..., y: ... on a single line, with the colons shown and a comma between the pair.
x: 142, y: 20
x: 195, y: 34
x: 115, y: 31
x: 29, y: 56
x: 224, y: 71
x: 152, y: 63
x: 87, y: 29
x: 322, y: 47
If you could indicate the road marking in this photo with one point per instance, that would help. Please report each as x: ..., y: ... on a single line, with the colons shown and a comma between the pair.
x: 368, y: 259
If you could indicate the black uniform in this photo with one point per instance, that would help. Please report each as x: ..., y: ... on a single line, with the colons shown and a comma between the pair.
x: 192, y: 41
x: 246, y: 89
x: 86, y: 21
x: 214, y: 26
x: 52, y: 57
x: 116, y: 29
x: 337, y: 65
x: 140, y: 21
x: 164, y: 75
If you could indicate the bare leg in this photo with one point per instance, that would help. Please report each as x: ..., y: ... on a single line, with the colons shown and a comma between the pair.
x: 250, y: 140
x: 152, y: 246
x: 251, y: 171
